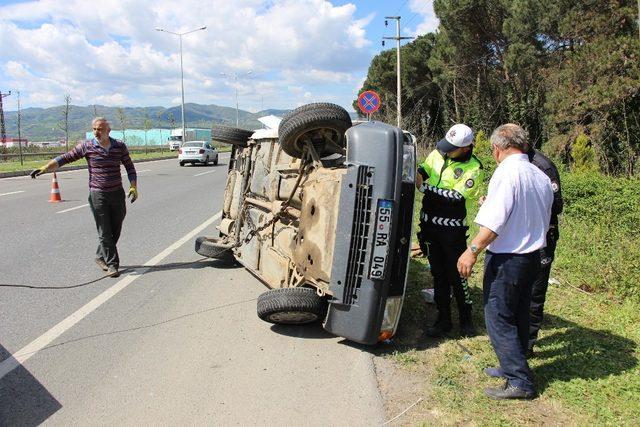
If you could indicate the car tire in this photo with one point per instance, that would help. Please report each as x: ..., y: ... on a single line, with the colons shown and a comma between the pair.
x: 230, y: 135
x: 291, y: 306
x: 316, y: 106
x: 212, y: 248
x: 215, y: 162
x: 206, y: 161
x: 181, y: 163
x: 325, y: 129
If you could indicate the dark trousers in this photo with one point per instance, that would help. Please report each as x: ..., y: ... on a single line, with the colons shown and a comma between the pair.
x: 443, y: 246
x: 109, y: 210
x: 539, y: 289
x: 507, y: 283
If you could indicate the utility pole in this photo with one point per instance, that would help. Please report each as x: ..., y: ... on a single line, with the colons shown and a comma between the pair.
x: 235, y: 78
x: 398, y: 39
x: 3, y: 131
x: 19, y: 131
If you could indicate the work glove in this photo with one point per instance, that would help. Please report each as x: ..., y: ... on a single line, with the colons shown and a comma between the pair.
x: 133, y: 193
x: 37, y: 172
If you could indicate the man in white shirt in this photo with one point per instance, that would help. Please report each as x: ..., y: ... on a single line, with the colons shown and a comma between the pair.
x: 513, y: 221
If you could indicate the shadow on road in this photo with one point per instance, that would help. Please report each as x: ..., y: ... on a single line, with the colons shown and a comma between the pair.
x: 309, y: 331
x: 24, y: 400
x: 189, y: 265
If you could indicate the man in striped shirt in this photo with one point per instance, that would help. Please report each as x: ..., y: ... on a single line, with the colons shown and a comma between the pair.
x: 106, y: 195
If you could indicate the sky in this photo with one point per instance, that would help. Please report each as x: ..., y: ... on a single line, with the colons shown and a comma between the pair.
x: 274, y: 53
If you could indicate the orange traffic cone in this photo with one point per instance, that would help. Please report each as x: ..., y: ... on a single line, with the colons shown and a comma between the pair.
x: 55, y: 190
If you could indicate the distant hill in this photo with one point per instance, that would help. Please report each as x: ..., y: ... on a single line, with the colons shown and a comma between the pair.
x: 43, y: 124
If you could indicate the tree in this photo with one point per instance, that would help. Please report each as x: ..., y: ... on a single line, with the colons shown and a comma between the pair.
x: 122, y: 119
x: 146, y: 125
x: 63, y: 125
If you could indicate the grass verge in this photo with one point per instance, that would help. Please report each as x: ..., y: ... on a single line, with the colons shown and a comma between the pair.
x: 15, y: 166
x: 586, y: 364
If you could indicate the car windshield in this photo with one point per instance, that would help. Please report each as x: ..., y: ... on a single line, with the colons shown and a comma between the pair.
x: 194, y: 144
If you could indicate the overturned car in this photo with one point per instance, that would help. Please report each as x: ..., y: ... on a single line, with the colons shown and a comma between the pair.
x: 321, y: 212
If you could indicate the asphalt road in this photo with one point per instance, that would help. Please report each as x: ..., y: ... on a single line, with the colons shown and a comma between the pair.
x: 172, y: 341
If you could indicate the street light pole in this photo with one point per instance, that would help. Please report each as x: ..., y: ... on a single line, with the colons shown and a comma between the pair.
x: 184, y: 131
x: 235, y: 78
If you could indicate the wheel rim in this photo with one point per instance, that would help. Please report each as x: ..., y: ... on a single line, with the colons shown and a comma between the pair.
x: 293, y: 317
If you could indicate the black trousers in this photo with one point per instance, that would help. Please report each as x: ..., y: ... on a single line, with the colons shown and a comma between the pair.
x: 443, y: 246
x: 539, y: 289
x: 109, y: 210
x: 507, y: 283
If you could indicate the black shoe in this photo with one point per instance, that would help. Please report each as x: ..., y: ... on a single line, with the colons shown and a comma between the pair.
x: 509, y: 392
x: 113, y: 271
x: 438, y: 330
x: 102, y: 264
x: 494, y: 372
x: 467, y: 329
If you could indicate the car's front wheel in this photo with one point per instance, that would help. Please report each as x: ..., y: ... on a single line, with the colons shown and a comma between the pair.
x: 215, y: 162
x: 291, y: 306
x: 181, y: 163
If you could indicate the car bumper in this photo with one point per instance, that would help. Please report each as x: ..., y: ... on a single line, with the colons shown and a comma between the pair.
x: 192, y: 157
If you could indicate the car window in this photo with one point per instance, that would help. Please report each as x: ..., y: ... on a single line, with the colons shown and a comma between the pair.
x: 193, y: 144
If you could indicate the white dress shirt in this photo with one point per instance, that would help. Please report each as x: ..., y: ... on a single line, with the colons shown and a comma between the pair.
x: 517, y: 207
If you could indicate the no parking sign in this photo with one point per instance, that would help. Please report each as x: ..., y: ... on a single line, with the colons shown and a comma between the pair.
x: 369, y: 102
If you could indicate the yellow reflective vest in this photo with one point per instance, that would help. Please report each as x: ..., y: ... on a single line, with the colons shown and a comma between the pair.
x: 450, y: 187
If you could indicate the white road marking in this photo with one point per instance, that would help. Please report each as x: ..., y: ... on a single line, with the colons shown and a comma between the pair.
x: 73, y: 209
x: 204, y: 173
x: 25, y: 353
x: 13, y: 192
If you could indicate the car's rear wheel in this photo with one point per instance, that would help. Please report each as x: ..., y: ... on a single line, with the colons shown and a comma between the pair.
x: 291, y: 306
x: 215, y: 162
x: 323, y: 128
x: 206, y: 161
x: 230, y: 135
x: 181, y: 163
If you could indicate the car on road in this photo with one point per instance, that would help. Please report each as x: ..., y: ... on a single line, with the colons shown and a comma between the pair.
x: 321, y: 212
x: 197, y: 152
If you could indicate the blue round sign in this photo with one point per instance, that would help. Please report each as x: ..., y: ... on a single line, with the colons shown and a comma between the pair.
x: 369, y: 102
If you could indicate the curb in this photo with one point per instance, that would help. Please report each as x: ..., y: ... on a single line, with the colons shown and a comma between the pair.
x: 73, y: 168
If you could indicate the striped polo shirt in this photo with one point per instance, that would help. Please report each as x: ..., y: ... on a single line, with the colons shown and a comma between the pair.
x: 104, y: 163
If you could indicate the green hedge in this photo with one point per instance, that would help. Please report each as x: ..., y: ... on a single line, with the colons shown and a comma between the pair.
x: 599, y: 234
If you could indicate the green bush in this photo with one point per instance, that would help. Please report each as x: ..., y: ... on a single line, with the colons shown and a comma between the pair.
x: 583, y: 154
x: 599, y: 231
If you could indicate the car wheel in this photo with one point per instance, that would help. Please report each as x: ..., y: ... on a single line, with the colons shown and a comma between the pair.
x: 212, y: 248
x: 316, y: 106
x: 206, y: 161
x: 291, y: 306
x: 230, y: 135
x: 323, y: 128
x: 181, y: 163
x: 215, y: 162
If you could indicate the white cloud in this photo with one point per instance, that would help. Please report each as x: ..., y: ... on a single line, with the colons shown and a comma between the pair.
x: 429, y: 21
x: 112, y: 54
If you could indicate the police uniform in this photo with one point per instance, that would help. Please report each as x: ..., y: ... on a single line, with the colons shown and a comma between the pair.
x: 547, y: 254
x: 450, y: 187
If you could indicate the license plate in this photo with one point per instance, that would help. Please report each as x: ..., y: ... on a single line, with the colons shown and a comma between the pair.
x: 381, y: 239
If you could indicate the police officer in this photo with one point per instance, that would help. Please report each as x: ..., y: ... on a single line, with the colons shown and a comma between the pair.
x: 539, y: 289
x: 450, y: 179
